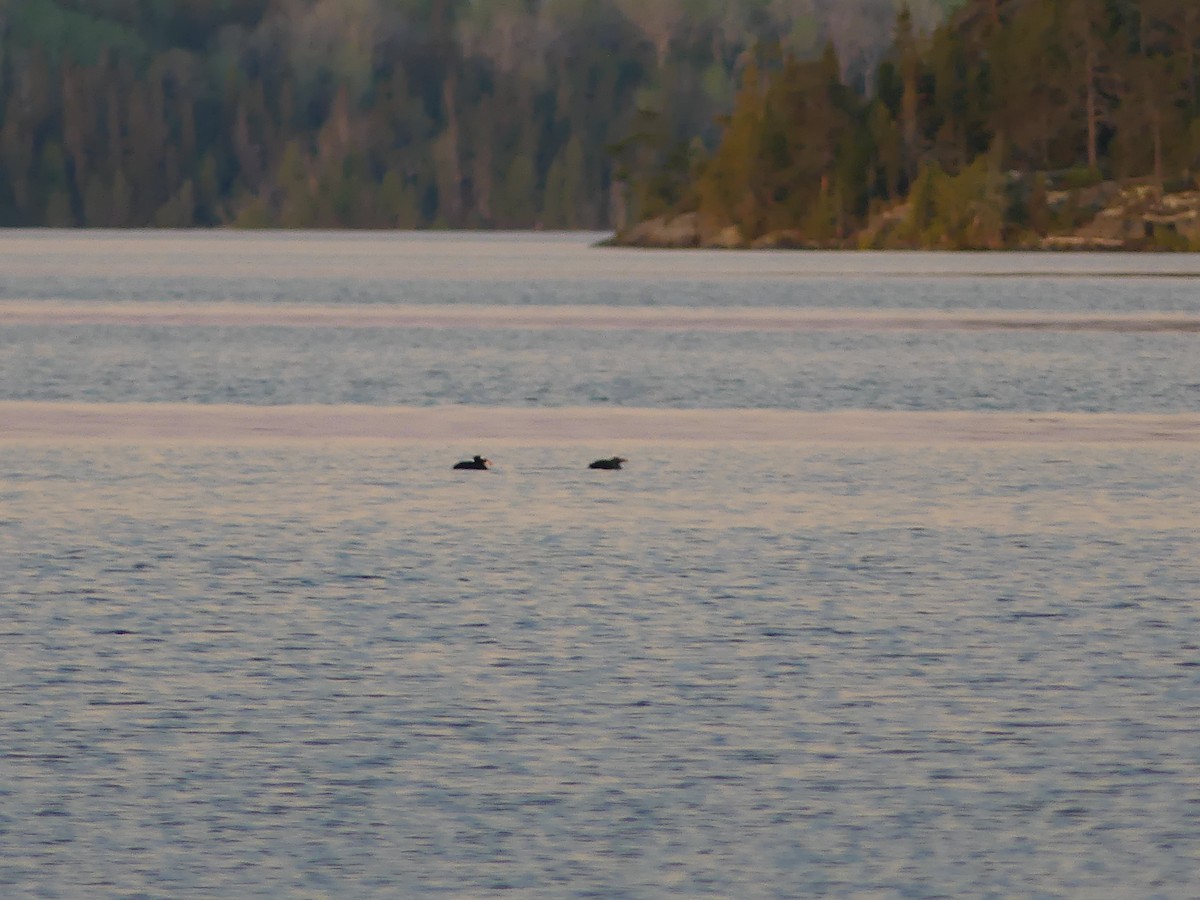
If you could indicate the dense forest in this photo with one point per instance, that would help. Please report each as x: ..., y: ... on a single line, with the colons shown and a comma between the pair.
x: 391, y: 113
x: 987, y: 133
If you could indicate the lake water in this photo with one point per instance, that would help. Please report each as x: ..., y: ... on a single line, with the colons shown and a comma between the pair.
x: 898, y: 595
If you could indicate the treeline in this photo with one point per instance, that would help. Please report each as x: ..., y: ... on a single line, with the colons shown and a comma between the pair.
x: 377, y: 113
x: 972, y: 125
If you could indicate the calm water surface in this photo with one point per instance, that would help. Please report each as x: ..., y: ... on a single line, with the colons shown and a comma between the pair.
x: 897, y: 659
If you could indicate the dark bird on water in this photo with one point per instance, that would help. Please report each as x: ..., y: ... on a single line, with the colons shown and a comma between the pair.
x: 611, y: 463
x: 477, y: 463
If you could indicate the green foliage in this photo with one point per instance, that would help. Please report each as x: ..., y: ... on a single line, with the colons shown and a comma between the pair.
x: 1035, y: 209
x: 971, y: 207
x: 64, y: 33
x: 564, y: 113
x: 1082, y: 90
x: 1169, y: 240
x: 922, y: 222
x: 793, y: 154
x: 1081, y: 177
x: 390, y: 113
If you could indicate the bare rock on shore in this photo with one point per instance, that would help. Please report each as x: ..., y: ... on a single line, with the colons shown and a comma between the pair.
x: 728, y: 238
x: 1141, y: 214
x: 680, y: 231
x: 1104, y: 216
x: 667, y: 232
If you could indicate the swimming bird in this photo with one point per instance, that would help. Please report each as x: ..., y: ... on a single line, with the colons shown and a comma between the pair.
x: 611, y: 463
x: 477, y: 463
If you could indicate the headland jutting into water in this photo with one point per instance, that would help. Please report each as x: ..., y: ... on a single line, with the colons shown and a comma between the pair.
x: 1103, y: 216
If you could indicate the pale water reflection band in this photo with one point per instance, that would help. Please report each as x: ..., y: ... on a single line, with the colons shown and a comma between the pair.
x: 216, y: 423
x: 658, y: 318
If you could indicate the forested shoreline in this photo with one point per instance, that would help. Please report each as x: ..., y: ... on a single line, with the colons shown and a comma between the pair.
x: 381, y: 113
x: 765, y: 122
x: 1016, y: 123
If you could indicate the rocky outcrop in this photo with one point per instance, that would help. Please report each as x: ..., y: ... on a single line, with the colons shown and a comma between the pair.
x: 1103, y: 216
x: 667, y: 232
x: 680, y: 231
x: 1142, y: 217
